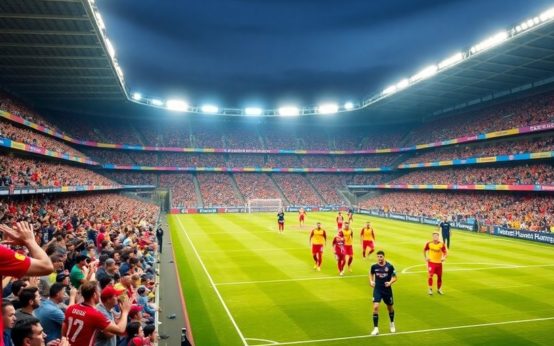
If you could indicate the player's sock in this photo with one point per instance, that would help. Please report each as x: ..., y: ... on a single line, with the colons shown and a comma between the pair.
x: 315, y: 259
x: 439, y: 282
x: 375, y: 320
x: 350, y: 261
x: 430, y: 282
x: 391, y: 316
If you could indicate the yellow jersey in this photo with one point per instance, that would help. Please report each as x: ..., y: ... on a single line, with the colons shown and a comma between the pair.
x: 436, y: 250
x: 347, y: 235
x: 367, y: 234
x: 318, y: 236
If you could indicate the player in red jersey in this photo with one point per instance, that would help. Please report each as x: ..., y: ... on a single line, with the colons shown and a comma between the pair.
x: 83, y: 320
x: 348, y: 246
x: 340, y: 252
x: 318, y: 238
x: 435, y: 253
x: 15, y: 264
x: 281, y: 220
x: 340, y: 220
x: 301, y: 216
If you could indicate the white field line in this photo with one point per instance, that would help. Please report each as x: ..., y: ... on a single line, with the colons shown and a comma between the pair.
x: 431, y: 330
x: 213, y: 284
x: 496, y: 266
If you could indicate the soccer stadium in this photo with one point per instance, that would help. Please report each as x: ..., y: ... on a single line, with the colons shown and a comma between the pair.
x: 276, y: 172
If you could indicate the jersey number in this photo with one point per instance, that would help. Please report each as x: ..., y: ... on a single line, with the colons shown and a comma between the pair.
x: 78, y: 324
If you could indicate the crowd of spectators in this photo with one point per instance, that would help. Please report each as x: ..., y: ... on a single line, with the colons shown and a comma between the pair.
x: 28, y: 136
x: 183, y: 192
x: 12, y: 106
x: 103, y: 156
x: 93, y: 242
x: 252, y: 185
x: 517, y: 211
x: 542, y: 174
x: 482, y: 149
x: 530, y: 111
x: 128, y: 178
x: 217, y: 190
x: 26, y: 172
x: 328, y: 185
x: 297, y: 189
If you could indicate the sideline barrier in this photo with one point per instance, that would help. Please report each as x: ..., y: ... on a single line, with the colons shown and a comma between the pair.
x: 216, y: 210
x: 464, y: 139
x: 5, y: 191
x: 465, y: 187
x: 541, y: 237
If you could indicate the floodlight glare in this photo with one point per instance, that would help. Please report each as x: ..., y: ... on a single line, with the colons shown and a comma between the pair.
x: 253, y: 111
x: 156, y: 102
x: 177, y: 105
x: 137, y: 96
x: 99, y: 20
x: 119, y: 70
x: 110, y: 48
x: 289, y: 111
x: 546, y: 15
x: 402, y: 84
x: 389, y: 90
x: 328, y: 108
x: 491, y: 41
x: 425, y: 73
x: 348, y: 106
x: 451, y: 60
x: 209, y: 109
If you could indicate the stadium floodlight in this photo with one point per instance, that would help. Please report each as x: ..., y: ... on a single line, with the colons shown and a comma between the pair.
x: 136, y: 96
x: 546, y: 15
x: 99, y: 20
x: 402, y: 84
x: 348, y: 106
x: 119, y: 71
x: 328, y: 108
x: 425, y: 73
x: 289, y: 111
x: 110, y: 48
x: 177, y: 105
x: 209, y: 109
x: 156, y: 102
x: 451, y: 60
x: 490, y: 42
x: 253, y: 111
x: 389, y: 90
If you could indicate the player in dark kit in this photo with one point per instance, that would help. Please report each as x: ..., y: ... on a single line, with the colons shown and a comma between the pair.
x: 445, y: 230
x: 381, y: 277
x: 281, y: 220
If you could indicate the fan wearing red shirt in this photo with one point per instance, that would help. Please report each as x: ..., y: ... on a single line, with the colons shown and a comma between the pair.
x: 16, y: 264
x: 83, y: 321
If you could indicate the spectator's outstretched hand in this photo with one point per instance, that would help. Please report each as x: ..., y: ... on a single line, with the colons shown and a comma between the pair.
x: 21, y: 235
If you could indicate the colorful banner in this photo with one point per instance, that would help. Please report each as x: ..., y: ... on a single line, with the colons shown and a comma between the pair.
x: 8, y: 143
x: 476, y: 160
x: 26, y: 190
x: 542, y: 237
x: 217, y: 210
x: 464, y: 139
x: 246, y: 169
x: 489, y: 187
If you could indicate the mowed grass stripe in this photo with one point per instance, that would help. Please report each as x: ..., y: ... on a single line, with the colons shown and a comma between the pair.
x: 298, y: 310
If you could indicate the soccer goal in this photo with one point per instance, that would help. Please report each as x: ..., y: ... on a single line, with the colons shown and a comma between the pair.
x: 260, y: 205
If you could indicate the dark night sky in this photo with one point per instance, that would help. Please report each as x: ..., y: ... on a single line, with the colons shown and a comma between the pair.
x: 267, y: 52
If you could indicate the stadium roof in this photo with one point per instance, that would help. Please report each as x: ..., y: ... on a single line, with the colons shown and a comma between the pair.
x: 52, y: 52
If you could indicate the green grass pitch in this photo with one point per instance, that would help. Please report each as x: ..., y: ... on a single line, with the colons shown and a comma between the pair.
x: 245, y: 284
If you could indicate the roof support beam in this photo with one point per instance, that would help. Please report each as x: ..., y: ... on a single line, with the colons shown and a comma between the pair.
x: 43, y: 16
x: 46, y: 45
x: 47, y: 32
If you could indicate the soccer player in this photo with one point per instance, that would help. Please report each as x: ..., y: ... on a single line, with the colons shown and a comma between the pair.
x: 340, y: 220
x: 435, y: 253
x: 83, y: 320
x: 381, y: 277
x: 338, y: 246
x: 281, y: 220
x: 318, y: 238
x: 348, y: 238
x: 350, y: 215
x: 445, y: 230
x: 368, y: 239
x: 301, y: 217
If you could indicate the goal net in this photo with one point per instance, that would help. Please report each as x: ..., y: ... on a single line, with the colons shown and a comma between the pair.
x: 260, y: 205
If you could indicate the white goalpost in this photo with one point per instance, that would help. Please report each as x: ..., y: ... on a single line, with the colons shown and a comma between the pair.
x: 260, y: 205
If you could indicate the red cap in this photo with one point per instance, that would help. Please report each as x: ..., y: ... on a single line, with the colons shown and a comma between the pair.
x: 135, y: 309
x: 110, y: 291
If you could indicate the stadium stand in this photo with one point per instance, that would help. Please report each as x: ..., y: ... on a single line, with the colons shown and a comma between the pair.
x: 253, y: 186
x: 217, y: 190
x: 297, y: 189
x: 127, y: 178
x: 183, y: 193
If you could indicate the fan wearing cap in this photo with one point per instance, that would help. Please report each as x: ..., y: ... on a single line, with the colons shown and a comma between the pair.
x: 108, y: 300
x: 81, y: 272
x: 83, y: 321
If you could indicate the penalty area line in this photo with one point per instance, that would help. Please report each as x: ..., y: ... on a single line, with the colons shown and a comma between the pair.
x: 408, y: 332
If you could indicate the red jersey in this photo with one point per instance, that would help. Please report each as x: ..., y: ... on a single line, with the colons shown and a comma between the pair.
x: 82, y: 322
x: 11, y: 264
x: 338, y: 244
x: 340, y: 219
